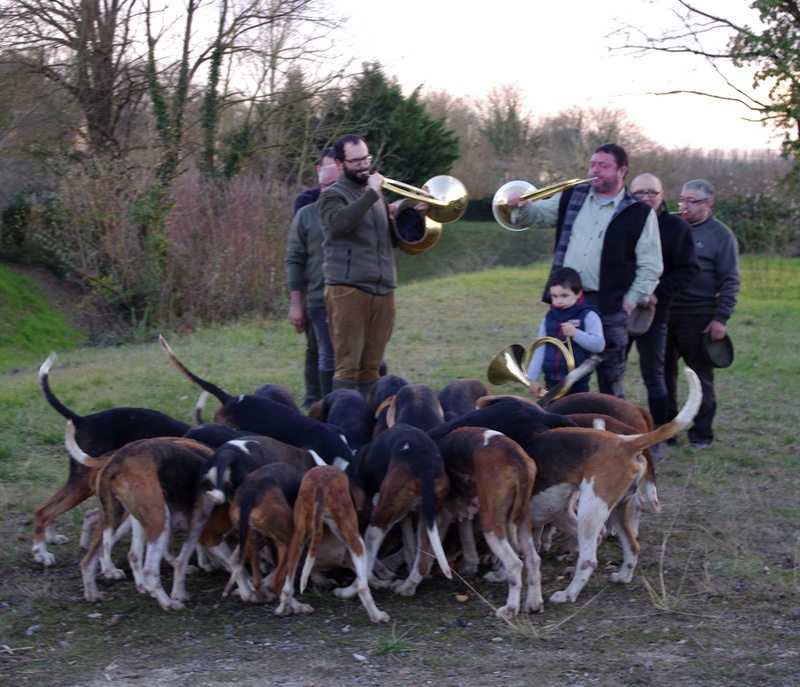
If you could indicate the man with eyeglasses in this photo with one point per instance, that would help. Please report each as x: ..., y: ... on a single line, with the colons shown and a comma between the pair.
x: 359, y: 265
x: 680, y: 269
x: 611, y: 239
x: 704, y: 306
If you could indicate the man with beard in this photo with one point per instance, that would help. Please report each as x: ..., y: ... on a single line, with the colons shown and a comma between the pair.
x: 611, y: 239
x: 359, y: 265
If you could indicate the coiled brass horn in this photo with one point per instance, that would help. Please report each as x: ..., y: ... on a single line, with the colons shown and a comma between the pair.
x: 502, y: 210
x: 447, y: 201
x: 446, y: 196
x: 510, y: 364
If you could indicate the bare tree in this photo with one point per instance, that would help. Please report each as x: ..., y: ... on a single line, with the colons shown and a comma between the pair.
x: 82, y: 47
x: 770, y: 46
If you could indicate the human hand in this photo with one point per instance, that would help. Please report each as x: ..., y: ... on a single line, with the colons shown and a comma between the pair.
x: 513, y: 199
x: 536, y: 389
x: 375, y: 181
x: 716, y: 330
x: 297, y: 317
x: 568, y: 329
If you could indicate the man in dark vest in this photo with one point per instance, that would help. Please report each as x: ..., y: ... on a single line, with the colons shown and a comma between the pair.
x: 611, y: 239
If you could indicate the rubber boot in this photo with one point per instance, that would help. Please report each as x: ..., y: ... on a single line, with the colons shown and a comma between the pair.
x: 343, y: 384
x: 325, y: 382
x: 364, y: 387
x: 658, y: 409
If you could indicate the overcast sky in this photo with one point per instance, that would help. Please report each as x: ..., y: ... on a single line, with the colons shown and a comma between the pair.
x: 558, y: 53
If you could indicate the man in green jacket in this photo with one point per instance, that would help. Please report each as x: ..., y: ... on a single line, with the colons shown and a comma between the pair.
x: 305, y: 282
x: 359, y: 265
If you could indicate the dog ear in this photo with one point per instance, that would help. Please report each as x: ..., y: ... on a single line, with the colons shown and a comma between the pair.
x: 391, y: 413
x: 318, y: 411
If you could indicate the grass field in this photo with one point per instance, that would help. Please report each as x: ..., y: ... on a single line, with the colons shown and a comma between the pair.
x: 715, y: 600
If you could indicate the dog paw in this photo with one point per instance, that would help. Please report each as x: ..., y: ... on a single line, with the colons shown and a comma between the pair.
x: 506, y: 612
x: 534, y: 606
x: 291, y: 606
x: 95, y: 596
x: 404, y: 588
x: 114, y: 574
x: 560, y: 598
x: 170, y: 604
x: 379, y: 617
x: 44, y: 557
x: 623, y: 576
x: 496, y: 576
x: 345, y: 592
x: 468, y: 569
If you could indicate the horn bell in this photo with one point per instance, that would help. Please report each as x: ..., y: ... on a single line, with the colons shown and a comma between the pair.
x: 502, y: 210
x: 508, y: 365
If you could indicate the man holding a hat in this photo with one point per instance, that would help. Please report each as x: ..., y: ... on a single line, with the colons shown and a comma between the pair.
x: 700, y: 312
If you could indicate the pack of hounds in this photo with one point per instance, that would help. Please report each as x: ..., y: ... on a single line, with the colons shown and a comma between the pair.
x: 359, y: 494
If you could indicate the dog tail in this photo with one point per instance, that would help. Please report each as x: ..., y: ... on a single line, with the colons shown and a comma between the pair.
x: 429, y: 512
x: 76, y: 453
x: 44, y: 385
x: 585, y: 368
x: 317, y: 529
x: 683, y: 418
x: 213, y: 389
x: 199, y: 407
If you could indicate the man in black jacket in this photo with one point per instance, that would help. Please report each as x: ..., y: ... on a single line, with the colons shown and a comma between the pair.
x: 611, y: 239
x: 680, y: 269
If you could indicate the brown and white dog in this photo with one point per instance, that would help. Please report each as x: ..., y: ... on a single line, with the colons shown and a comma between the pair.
x: 97, y: 434
x: 601, y: 467
x: 326, y: 521
x: 153, y: 481
x: 262, y: 510
x: 491, y: 476
x: 401, y: 473
x: 217, y: 482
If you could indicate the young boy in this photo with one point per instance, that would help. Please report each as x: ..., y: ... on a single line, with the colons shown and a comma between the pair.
x: 569, y: 317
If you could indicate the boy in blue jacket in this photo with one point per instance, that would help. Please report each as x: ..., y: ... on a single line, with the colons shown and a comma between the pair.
x: 569, y: 317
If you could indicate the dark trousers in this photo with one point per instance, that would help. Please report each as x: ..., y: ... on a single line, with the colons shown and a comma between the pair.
x: 685, y: 340
x: 311, y: 368
x: 611, y: 372
x: 652, y: 347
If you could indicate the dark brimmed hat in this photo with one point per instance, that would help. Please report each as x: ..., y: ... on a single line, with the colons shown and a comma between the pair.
x: 639, y: 320
x: 718, y: 353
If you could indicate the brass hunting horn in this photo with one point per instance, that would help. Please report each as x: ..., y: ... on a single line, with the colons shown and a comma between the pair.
x: 511, y: 363
x: 502, y: 210
x: 447, y: 199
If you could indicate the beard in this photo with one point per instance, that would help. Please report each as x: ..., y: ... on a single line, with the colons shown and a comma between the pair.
x: 357, y: 177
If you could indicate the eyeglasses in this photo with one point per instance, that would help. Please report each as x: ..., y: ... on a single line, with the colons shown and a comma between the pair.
x: 360, y: 160
x: 649, y: 193
x: 692, y: 201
